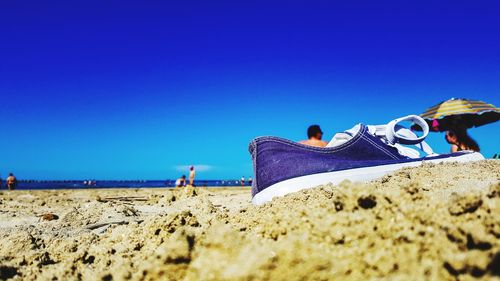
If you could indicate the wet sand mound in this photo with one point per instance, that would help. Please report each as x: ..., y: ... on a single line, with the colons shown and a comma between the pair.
x: 436, y: 222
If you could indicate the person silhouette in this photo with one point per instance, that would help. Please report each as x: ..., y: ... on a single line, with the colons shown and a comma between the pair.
x: 11, y: 181
x: 314, y: 135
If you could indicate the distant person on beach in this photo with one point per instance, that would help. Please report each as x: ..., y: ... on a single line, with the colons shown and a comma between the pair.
x: 314, y: 135
x: 192, y: 175
x: 11, y: 181
x: 242, y: 181
x: 460, y: 140
x: 180, y: 182
x: 250, y: 181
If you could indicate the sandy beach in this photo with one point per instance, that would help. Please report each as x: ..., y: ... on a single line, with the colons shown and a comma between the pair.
x: 436, y: 222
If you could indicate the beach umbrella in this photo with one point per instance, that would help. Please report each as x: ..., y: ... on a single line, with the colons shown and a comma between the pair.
x: 469, y: 113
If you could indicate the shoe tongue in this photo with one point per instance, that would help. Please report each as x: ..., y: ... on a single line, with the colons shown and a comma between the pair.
x: 341, y: 138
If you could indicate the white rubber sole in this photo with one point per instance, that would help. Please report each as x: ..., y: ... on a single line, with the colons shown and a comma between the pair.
x: 356, y: 175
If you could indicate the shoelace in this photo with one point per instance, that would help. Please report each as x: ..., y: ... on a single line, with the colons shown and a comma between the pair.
x: 398, y: 136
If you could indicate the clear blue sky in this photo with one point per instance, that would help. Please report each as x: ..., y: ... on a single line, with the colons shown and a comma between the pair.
x: 135, y: 89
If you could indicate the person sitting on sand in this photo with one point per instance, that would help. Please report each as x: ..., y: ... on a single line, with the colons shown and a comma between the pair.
x: 314, y: 135
x: 180, y: 182
x: 192, y: 174
x: 11, y: 181
x: 460, y: 140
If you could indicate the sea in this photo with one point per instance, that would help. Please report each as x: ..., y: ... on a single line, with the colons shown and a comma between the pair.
x: 85, y: 184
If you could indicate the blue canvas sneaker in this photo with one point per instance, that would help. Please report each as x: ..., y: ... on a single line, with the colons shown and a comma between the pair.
x: 362, y: 153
